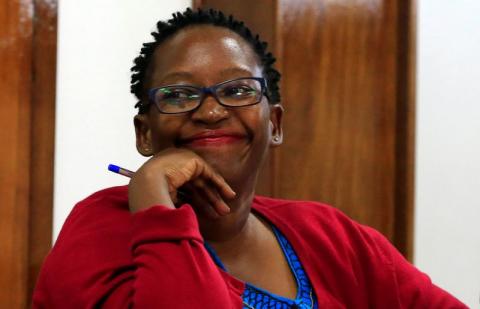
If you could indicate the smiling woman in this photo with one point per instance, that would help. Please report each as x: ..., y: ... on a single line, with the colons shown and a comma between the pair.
x: 230, y: 133
x: 209, y: 112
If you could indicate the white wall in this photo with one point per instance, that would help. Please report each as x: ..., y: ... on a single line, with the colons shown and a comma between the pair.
x: 97, y: 42
x: 447, y: 225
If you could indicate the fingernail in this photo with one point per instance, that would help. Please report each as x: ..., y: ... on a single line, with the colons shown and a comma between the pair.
x: 226, y: 209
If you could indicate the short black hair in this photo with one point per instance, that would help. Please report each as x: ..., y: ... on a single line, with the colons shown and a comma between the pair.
x: 202, y: 17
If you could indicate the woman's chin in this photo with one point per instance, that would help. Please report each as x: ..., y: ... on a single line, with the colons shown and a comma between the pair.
x: 227, y: 162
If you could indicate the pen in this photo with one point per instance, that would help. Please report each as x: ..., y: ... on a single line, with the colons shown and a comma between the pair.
x: 123, y: 171
x: 120, y: 170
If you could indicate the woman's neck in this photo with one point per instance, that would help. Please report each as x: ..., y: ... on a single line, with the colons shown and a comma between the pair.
x: 238, y: 229
x: 242, y: 246
x: 232, y: 226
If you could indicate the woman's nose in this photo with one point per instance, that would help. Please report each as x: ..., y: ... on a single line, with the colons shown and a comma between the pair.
x: 210, y: 111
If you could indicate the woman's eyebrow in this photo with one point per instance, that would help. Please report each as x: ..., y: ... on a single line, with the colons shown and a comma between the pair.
x: 225, y: 73
x: 236, y: 70
x: 177, y: 76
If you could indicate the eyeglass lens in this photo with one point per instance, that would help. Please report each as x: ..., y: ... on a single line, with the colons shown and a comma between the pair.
x: 178, y: 99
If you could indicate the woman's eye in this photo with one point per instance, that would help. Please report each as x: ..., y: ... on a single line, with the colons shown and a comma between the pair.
x: 239, y: 91
x: 178, y: 94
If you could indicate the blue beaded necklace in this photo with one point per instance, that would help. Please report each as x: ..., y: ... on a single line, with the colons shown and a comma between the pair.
x: 254, y: 297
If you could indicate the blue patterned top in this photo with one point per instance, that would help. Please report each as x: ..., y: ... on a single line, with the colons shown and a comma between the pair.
x: 254, y: 297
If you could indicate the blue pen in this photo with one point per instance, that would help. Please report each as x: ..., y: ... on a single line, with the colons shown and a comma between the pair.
x: 123, y: 171
x: 120, y: 170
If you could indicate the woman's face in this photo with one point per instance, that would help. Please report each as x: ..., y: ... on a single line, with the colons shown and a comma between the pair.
x: 234, y: 140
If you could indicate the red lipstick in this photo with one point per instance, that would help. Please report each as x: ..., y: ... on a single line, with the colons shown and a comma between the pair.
x: 212, y: 138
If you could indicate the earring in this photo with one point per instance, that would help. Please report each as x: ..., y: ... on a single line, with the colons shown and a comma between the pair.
x: 276, y: 139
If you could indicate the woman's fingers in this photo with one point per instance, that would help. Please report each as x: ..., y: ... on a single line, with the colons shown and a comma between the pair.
x: 222, y: 186
x: 173, y: 169
x: 202, y: 205
x: 211, y: 196
x: 224, y: 189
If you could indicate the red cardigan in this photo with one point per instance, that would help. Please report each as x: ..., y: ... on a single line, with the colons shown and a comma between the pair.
x: 106, y: 257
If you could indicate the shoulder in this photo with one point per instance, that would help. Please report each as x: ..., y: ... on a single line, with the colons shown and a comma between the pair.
x: 105, y: 210
x: 112, y: 201
x: 290, y: 205
x: 350, y: 256
x: 298, y: 211
x: 108, y: 196
x: 325, y: 226
x: 102, y: 209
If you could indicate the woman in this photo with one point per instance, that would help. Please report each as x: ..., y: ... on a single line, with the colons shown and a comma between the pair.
x: 188, y: 231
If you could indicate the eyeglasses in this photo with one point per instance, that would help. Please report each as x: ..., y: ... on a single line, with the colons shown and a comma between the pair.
x: 176, y: 99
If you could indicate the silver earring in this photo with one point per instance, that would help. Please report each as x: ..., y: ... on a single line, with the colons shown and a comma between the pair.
x: 276, y: 139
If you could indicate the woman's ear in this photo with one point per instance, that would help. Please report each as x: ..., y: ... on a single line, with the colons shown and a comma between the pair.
x: 276, y: 114
x: 143, y: 135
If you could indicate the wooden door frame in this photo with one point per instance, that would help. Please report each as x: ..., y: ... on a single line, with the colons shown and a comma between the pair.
x: 405, y: 141
x: 28, y: 106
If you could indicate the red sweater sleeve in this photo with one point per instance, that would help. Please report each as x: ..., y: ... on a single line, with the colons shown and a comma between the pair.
x: 106, y: 257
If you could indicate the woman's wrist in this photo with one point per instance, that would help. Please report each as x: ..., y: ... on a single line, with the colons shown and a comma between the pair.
x: 145, y: 192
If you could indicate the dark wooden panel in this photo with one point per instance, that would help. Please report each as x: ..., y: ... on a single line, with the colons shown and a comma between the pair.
x: 27, y: 103
x: 346, y: 101
x: 405, y: 156
x: 43, y: 137
x: 340, y: 68
x: 348, y: 91
x: 15, y: 63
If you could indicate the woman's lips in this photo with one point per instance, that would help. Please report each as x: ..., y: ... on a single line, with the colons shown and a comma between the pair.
x: 212, y: 139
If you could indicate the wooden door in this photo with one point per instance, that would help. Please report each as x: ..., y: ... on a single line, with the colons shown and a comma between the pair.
x: 27, y: 108
x: 348, y: 91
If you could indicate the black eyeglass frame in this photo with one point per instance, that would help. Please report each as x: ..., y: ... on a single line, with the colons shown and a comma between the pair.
x: 212, y: 90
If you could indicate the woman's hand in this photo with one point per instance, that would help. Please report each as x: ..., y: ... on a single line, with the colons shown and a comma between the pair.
x: 159, y: 179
